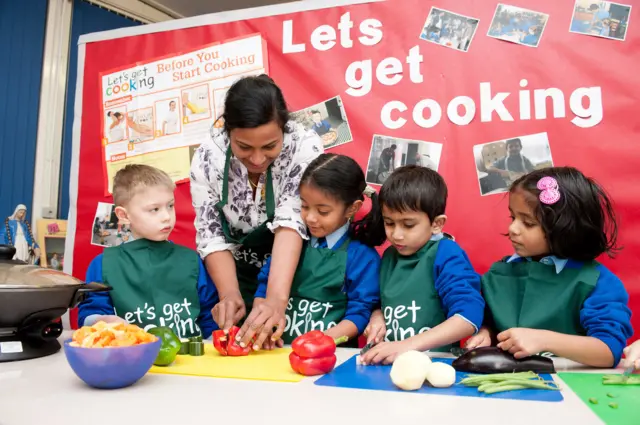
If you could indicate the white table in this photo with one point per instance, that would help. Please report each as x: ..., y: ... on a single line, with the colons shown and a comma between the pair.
x: 46, y: 391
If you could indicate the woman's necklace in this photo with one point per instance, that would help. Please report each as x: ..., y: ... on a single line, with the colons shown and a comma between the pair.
x: 254, y: 185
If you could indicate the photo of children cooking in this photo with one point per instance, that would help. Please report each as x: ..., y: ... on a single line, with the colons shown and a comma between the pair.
x: 518, y: 25
x: 601, y: 19
x: 449, y: 29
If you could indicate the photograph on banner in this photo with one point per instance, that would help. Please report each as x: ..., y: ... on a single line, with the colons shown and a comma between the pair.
x: 500, y: 163
x: 219, y: 95
x: 51, y: 234
x: 449, y: 29
x: 328, y: 119
x: 195, y: 104
x: 115, y: 124
x: 168, y: 119
x: 54, y: 251
x: 518, y: 25
x: 388, y: 153
x: 166, y: 105
x: 106, y: 229
x: 140, y: 123
x: 601, y: 19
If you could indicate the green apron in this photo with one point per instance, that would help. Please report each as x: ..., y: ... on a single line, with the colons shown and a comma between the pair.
x: 255, y: 246
x: 154, y: 284
x: 410, y: 302
x: 318, y: 298
x: 530, y: 294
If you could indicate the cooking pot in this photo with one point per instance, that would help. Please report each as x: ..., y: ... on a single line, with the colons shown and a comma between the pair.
x: 32, y: 300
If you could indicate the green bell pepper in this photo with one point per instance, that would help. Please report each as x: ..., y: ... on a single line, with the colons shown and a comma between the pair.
x: 169, y: 347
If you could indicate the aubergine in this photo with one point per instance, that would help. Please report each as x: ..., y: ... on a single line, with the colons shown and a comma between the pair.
x: 496, y: 360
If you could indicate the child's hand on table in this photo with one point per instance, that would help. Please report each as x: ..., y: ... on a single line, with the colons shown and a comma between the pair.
x: 385, y: 352
x: 522, y: 342
x: 632, y: 355
x: 481, y: 339
x: 376, y: 330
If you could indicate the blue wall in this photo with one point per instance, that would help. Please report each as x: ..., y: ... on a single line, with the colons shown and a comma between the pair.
x: 87, y: 18
x: 22, y: 31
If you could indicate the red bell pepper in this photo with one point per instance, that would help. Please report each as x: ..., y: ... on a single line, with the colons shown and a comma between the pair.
x: 227, y: 345
x: 314, y: 353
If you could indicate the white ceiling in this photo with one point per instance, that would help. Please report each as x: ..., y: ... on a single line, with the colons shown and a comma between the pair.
x: 186, y: 8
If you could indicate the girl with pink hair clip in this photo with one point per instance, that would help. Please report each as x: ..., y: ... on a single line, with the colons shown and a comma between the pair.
x: 551, y: 295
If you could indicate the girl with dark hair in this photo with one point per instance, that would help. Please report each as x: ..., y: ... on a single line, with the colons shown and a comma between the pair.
x: 429, y: 292
x: 335, y: 287
x: 552, y: 295
x: 244, y: 188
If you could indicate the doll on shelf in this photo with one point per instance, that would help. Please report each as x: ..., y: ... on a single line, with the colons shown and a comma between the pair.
x: 16, y: 231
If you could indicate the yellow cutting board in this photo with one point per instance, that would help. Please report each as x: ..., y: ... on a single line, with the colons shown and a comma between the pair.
x: 260, y: 365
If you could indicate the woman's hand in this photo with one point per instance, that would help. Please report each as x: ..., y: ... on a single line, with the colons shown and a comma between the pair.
x: 264, y: 317
x: 229, y: 310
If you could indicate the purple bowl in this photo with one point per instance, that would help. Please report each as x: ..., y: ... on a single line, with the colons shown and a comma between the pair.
x: 112, y: 367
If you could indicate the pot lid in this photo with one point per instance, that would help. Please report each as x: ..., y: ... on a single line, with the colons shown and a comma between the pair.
x: 15, y: 274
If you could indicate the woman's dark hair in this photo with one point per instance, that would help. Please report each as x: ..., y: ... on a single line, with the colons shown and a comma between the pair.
x: 342, y: 178
x: 252, y: 102
x: 582, y: 224
x: 115, y: 114
x: 415, y: 188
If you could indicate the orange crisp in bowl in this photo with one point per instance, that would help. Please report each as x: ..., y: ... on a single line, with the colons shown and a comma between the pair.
x: 102, y: 335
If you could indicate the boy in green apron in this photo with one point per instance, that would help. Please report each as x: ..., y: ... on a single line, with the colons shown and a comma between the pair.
x: 335, y: 286
x: 430, y: 293
x: 551, y: 295
x: 155, y: 282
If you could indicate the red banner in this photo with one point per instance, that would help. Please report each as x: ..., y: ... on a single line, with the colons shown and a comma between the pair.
x: 448, y: 86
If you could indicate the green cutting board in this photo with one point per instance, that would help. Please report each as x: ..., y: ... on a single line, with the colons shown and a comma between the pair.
x: 589, y: 385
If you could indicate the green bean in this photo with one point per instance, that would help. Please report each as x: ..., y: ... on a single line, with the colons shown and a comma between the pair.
x: 610, y: 395
x: 613, y: 405
x: 498, y: 389
x: 533, y: 384
x: 486, y: 385
x: 478, y: 380
x: 499, y: 382
x: 620, y: 380
x: 593, y: 400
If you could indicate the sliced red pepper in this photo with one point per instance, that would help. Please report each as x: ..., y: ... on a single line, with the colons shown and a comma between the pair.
x: 227, y: 345
x: 312, y: 366
x: 220, y: 342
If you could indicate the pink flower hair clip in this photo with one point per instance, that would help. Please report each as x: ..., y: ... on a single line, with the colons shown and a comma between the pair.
x: 549, y: 193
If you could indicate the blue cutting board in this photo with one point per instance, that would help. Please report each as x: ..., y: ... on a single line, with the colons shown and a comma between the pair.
x: 351, y: 375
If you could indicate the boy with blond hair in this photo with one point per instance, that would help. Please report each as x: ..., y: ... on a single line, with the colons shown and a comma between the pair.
x: 155, y: 282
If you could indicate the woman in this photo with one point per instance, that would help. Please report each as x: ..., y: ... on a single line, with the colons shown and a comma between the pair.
x: 244, y: 188
x: 17, y: 233
x: 116, y: 128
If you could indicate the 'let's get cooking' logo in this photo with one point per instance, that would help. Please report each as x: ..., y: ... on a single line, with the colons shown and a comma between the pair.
x: 128, y: 82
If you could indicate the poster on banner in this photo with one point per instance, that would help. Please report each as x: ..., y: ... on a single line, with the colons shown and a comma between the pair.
x: 153, y: 112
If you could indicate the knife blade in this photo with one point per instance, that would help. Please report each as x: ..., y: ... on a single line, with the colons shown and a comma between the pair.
x: 367, y: 347
x: 458, y: 351
x: 627, y: 372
